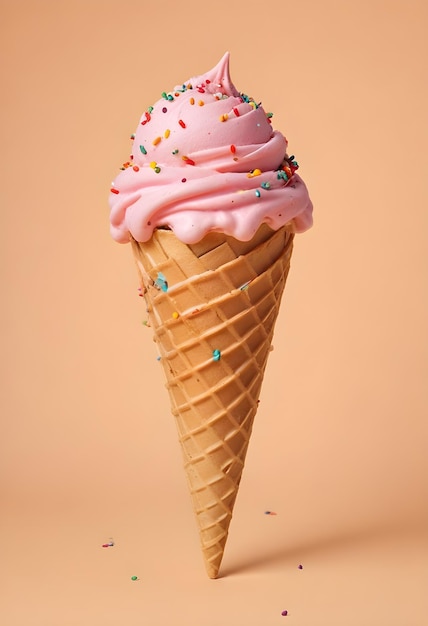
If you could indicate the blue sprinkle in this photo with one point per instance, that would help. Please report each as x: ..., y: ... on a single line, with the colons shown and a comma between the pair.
x: 257, y: 192
x: 161, y: 282
x: 216, y: 355
x: 158, y: 358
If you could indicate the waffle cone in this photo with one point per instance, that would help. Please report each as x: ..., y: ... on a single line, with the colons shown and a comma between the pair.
x: 213, y: 320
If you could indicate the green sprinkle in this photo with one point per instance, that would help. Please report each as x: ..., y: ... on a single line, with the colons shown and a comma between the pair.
x: 269, y: 115
x: 175, y: 151
x: 150, y: 109
x: 134, y: 577
x: 143, y: 150
x: 164, y: 95
x: 157, y: 169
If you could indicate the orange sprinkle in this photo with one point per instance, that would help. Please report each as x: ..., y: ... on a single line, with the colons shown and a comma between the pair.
x: 192, y: 100
x: 223, y: 117
x: 201, y: 103
x: 175, y: 315
x: 156, y: 141
x: 136, y: 168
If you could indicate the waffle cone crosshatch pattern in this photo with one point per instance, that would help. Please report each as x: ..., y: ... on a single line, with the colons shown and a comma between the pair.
x: 212, y: 307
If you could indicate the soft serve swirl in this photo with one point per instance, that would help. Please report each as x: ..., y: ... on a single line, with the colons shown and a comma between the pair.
x: 205, y: 158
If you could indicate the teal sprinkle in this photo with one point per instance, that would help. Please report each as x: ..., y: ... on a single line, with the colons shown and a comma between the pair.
x: 265, y: 185
x: 282, y: 174
x: 161, y: 282
x: 170, y: 97
x: 216, y: 355
x: 143, y: 150
x: 257, y: 192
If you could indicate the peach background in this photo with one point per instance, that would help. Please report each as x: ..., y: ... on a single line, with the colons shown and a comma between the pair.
x: 339, y: 447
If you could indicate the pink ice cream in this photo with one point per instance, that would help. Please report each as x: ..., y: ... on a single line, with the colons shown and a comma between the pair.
x: 205, y: 158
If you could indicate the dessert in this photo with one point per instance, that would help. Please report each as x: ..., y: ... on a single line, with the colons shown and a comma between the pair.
x: 210, y: 202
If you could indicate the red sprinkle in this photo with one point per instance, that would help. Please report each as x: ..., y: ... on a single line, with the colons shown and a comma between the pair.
x: 114, y: 190
x: 188, y: 161
x: 235, y: 110
x: 136, y: 168
x: 148, y: 116
x: 182, y: 124
x: 233, y: 149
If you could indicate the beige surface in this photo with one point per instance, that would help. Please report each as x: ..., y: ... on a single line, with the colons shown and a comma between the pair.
x: 339, y: 446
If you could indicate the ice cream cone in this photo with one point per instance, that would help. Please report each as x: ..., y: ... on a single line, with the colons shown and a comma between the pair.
x: 212, y: 307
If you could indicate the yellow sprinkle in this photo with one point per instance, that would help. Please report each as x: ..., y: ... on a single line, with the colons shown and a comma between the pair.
x: 175, y: 315
x: 167, y: 133
x: 253, y: 104
x: 201, y: 103
x: 254, y: 173
x: 156, y: 141
x: 153, y: 164
x: 192, y: 100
